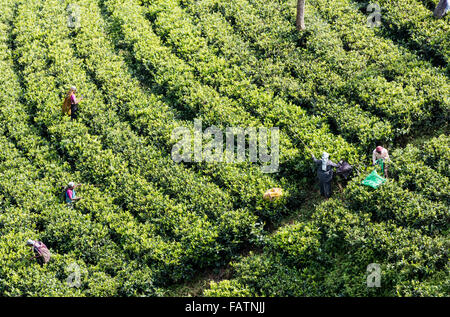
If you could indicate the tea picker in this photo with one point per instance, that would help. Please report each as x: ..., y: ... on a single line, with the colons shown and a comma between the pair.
x: 325, y: 173
x: 40, y: 251
x: 70, y: 105
x: 441, y: 9
x: 380, y: 156
x: 70, y: 194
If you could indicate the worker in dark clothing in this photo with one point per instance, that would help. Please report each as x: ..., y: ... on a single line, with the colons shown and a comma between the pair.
x: 325, y: 173
x: 442, y: 8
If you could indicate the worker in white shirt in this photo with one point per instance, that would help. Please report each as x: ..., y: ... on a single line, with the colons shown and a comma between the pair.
x: 380, y: 155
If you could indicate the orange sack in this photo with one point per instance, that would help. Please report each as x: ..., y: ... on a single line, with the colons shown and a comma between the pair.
x: 273, y: 193
x: 66, y: 108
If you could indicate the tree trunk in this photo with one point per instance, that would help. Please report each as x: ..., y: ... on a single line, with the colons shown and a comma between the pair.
x: 300, y: 15
x: 440, y: 9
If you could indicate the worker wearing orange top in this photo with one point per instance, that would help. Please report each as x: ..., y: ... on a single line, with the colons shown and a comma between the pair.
x: 380, y: 153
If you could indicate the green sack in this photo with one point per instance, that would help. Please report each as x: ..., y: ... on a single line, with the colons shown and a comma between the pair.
x: 381, y: 163
x: 373, y: 180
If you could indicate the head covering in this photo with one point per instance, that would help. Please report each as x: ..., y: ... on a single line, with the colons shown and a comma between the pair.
x: 325, y: 157
x: 71, y: 184
x: 30, y: 242
x: 379, y: 149
x: 73, y: 88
